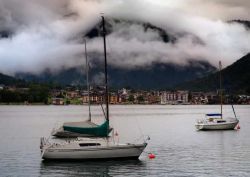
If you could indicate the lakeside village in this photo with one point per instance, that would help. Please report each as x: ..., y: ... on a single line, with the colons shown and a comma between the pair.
x: 127, y: 96
x: 72, y: 95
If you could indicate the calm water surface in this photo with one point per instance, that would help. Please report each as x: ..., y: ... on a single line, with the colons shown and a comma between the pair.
x: 180, y: 149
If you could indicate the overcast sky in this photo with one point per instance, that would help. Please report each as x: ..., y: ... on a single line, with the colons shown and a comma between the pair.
x: 46, y: 34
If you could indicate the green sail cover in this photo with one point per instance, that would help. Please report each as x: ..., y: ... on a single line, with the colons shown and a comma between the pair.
x: 98, y: 131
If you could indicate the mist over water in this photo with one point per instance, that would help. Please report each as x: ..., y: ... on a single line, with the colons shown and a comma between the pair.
x: 180, y: 150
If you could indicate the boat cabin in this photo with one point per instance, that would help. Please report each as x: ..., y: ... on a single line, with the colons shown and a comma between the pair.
x: 215, y: 118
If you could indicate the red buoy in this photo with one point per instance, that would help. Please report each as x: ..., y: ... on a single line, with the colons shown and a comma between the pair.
x: 238, y: 126
x: 151, y: 156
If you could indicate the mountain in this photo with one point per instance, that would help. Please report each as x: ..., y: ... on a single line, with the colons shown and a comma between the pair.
x: 243, y: 22
x: 8, y: 80
x: 4, y: 34
x: 235, y: 79
x: 111, y: 23
x: 157, y: 76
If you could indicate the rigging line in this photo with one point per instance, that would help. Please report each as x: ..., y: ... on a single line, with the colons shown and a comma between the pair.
x: 139, y: 127
x: 104, y: 113
x: 87, y: 78
x: 234, y: 112
x: 109, y: 54
x: 89, y: 88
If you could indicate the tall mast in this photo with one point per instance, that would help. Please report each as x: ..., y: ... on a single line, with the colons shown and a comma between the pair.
x: 221, y: 100
x: 106, y: 72
x: 87, y: 78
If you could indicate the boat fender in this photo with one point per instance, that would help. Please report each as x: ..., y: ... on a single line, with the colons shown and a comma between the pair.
x: 151, y: 156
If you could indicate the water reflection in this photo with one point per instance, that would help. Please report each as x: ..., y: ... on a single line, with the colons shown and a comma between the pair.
x: 90, y: 168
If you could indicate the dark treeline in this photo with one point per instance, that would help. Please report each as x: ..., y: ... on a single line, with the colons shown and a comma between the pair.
x: 35, y: 93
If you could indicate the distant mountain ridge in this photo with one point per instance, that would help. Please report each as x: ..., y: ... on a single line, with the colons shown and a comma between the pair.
x: 158, y: 76
x: 96, y: 30
x: 243, y: 22
x: 235, y: 79
x: 8, y: 80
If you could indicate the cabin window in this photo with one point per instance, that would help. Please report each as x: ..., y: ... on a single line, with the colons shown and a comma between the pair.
x: 221, y: 121
x: 89, y: 144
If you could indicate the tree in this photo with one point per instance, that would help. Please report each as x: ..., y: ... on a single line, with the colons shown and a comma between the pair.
x: 140, y: 99
x: 131, y: 98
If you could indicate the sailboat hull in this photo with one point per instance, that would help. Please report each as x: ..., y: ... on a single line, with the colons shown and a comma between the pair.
x: 127, y: 151
x: 217, y: 126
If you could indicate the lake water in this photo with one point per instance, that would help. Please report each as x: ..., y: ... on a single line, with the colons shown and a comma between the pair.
x: 180, y: 150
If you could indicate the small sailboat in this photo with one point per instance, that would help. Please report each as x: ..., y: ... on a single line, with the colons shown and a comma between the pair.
x: 83, y: 128
x: 216, y: 121
x: 92, y: 147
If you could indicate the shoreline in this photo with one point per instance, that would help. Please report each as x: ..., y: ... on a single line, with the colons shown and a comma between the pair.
x: 42, y: 104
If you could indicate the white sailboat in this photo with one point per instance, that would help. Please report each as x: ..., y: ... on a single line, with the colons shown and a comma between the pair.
x: 92, y: 148
x: 216, y: 121
x: 82, y: 128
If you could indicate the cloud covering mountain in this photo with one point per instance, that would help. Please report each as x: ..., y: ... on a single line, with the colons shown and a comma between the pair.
x: 47, y: 34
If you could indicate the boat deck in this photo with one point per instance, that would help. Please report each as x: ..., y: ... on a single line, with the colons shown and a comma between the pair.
x: 85, y: 124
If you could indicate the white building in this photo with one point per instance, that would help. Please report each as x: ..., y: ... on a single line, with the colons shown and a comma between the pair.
x: 1, y: 86
x: 174, y: 97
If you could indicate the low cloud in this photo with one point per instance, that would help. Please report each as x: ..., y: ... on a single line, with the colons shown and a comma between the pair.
x: 48, y: 34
